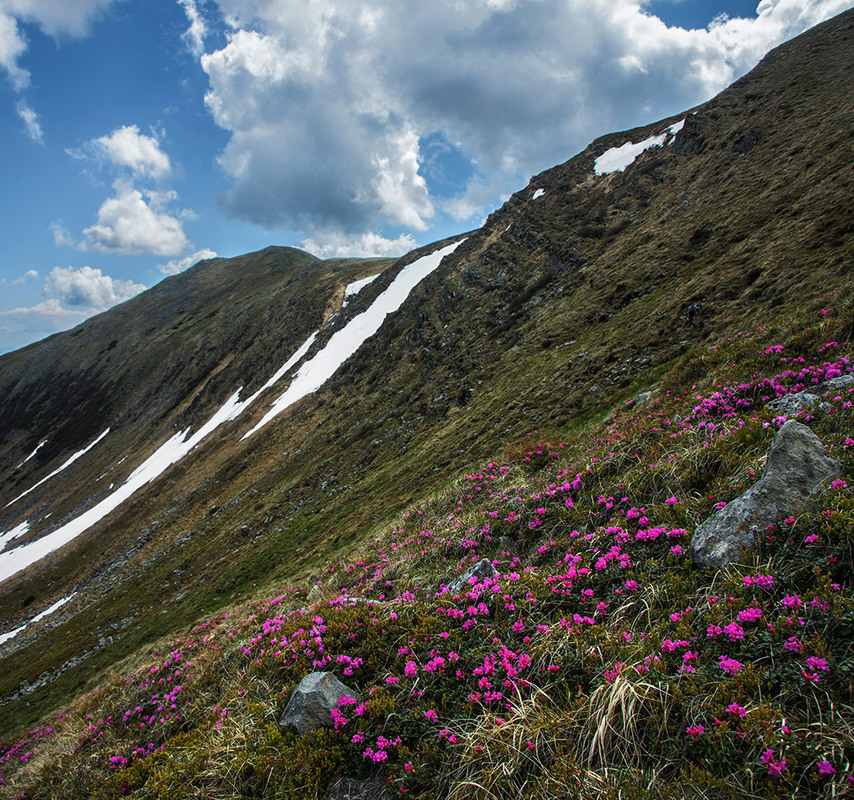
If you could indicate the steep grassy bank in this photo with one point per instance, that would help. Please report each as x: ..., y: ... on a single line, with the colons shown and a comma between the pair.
x: 600, y: 663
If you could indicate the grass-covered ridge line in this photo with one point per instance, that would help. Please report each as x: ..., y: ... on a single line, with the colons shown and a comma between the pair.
x: 599, y: 663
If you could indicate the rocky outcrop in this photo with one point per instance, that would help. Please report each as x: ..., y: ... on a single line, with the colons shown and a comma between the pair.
x: 311, y: 704
x: 483, y: 569
x: 795, y: 468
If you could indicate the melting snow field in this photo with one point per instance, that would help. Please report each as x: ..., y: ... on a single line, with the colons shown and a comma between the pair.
x: 15, y: 533
x: 357, y: 286
x: 4, y: 637
x: 618, y: 158
x: 314, y: 373
x: 310, y: 377
x: 57, y: 471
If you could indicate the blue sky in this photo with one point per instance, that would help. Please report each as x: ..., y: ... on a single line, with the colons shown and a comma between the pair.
x: 139, y: 136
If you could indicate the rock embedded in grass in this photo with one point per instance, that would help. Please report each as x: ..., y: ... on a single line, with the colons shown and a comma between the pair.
x: 483, y: 569
x: 796, y: 467
x: 312, y: 702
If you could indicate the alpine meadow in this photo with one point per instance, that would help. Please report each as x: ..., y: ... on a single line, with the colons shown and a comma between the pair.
x: 559, y: 507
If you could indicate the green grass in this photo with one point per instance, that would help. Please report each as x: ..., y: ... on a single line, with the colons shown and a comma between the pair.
x: 596, y: 695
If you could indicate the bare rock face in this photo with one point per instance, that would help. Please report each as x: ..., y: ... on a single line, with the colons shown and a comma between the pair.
x: 312, y: 702
x: 796, y: 467
x: 483, y: 569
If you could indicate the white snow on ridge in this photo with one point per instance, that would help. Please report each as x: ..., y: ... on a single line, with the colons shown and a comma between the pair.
x: 16, y: 532
x: 311, y: 376
x: 60, y: 469
x: 4, y: 637
x: 357, y: 286
x: 538, y: 194
x: 315, y: 372
x: 167, y: 454
x: 618, y: 158
x: 39, y: 447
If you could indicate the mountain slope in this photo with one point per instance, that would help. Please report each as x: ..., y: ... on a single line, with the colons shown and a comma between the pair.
x: 566, y: 304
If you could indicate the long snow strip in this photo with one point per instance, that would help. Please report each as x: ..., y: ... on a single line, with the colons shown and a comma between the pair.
x: 56, y: 472
x: 176, y: 448
x: 344, y: 343
x: 618, y: 158
x: 4, y: 637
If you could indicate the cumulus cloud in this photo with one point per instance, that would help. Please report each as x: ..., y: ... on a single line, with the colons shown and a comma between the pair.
x: 327, y: 102
x: 180, y: 264
x: 127, y: 147
x: 366, y: 245
x: 129, y: 223
x: 73, y: 295
x: 89, y: 287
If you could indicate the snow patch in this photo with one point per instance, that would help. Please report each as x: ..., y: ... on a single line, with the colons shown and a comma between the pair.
x: 167, y: 454
x: 39, y: 447
x: 618, y: 158
x: 4, y: 637
x: 357, y: 286
x: 64, y: 466
x: 16, y: 532
x: 538, y: 194
x: 344, y: 343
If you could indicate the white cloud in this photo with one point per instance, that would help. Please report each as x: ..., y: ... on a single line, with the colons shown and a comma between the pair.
x: 20, y: 326
x: 194, y: 36
x: 58, y: 17
x: 127, y: 225
x: 54, y: 17
x: 12, y: 47
x: 29, y: 275
x: 366, y: 245
x: 89, y: 287
x: 61, y: 235
x: 127, y: 147
x: 326, y: 101
x: 180, y: 264
x: 31, y: 122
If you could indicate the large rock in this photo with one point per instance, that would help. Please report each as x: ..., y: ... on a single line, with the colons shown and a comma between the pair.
x: 483, y: 569
x: 312, y: 702
x: 795, y: 468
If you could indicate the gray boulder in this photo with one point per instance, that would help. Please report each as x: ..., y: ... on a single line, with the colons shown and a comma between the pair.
x: 841, y: 383
x: 483, y: 569
x: 793, y: 404
x: 311, y: 703
x: 354, y: 789
x: 795, y: 468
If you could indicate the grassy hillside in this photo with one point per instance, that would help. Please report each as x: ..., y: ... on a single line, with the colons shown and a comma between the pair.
x: 600, y: 663
x: 545, y: 322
